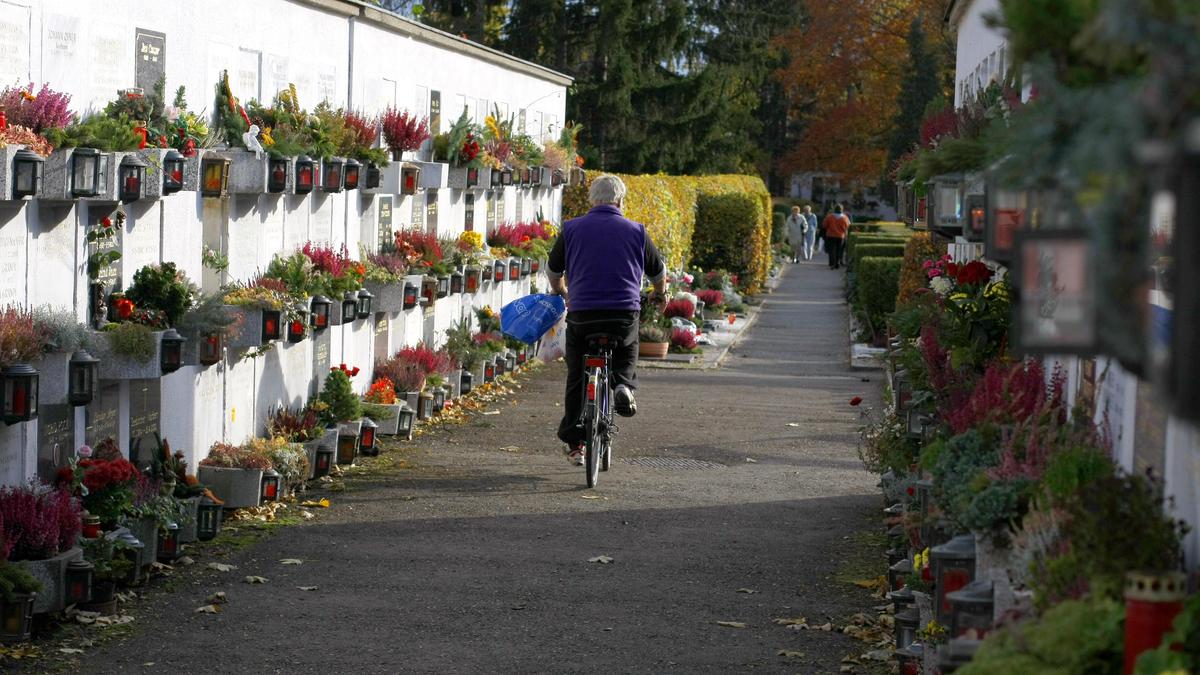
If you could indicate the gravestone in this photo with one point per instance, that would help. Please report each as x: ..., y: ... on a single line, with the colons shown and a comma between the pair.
x: 385, y: 219
x: 418, y: 213
x: 56, y: 439
x: 469, y: 212
x: 321, y: 360
x: 435, y: 112
x: 145, y: 403
x: 150, y: 57
x: 431, y: 211
x: 101, y: 414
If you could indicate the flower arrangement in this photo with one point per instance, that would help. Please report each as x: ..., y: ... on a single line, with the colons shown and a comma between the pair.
x: 430, y: 361
x: 470, y: 242
x: 163, y: 291
x: 382, y: 392
x: 229, y: 117
x: 45, y: 110
x: 497, y: 136
x: 488, y: 319
x: 21, y: 341
x: 489, y: 343
x: 652, y: 334
x: 349, y: 372
x: 108, y: 487
x: 337, y: 272
x: 226, y: 456
x: 533, y: 238
x: 460, y: 146
x: 679, y: 307
x: 683, y: 341
x: 361, y: 134
x: 711, y: 298
x: 402, y: 131
x: 15, y: 134
x: 289, y: 460
x: 404, y: 376
x: 423, y: 250
x: 262, y: 292
x: 97, y: 131
x: 385, y: 267
x: 296, y: 425
x: 37, y: 522
x: 460, y: 345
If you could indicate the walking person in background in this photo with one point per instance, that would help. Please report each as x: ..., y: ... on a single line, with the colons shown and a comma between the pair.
x: 797, y: 227
x: 810, y: 233
x: 836, y: 225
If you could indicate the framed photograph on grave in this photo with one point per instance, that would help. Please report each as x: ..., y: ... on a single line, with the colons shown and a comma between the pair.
x: 1055, y: 306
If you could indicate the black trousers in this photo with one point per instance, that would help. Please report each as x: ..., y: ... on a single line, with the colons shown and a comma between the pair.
x: 623, y: 324
x: 834, y: 246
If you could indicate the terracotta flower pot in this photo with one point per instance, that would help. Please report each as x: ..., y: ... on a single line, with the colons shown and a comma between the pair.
x: 653, y: 350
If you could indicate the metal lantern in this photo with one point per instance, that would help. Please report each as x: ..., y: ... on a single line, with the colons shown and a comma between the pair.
x: 429, y: 286
x: 510, y: 362
x: 910, y: 659
x: 331, y: 174
x: 89, y: 172
x: 947, y: 192
x: 272, y: 325
x: 535, y: 175
x: 901, y: 391
x: 409, y: 176
x: 521, y: 356
x: 903, y: 598
x: 277, y: 168
x: 496, y: 179
x: 514, y: 269
x: 306, y: 174
x: 269, y: 491
x: 526, y: 267
x: 208, y: 519
x: 366, y: 437
x: 171, y: 355
x: 16, y: 618
x: 955, y: 654
x: 975, y: 206
x: 172, y: 168
x: 425, y: 405
x: 908, y: 621
x: 506, y: 177
x: 365, y: 302
x: 214, y: 176
x: 526, y: 176
x: 347, y: 446
x: 131, y: 550
x: 500, y: 270
x: 18, y: 393
x: 897, y: 572
x: 501, y: 365
x: 324, y: 461
x: 410, y: 295
x: 349, y: 306
x: 78, y: 578
x: 953, y: 568
x: 971, y: 609
x: 472, y: 176
x: 471, y: 280
x: 320, y: 312
x: 439, y: 400
x: 82, y: 372
x: 297, y: 328
x: 210, y: 349
x: 917, y: 423
x: 535, y: 265
x: 27, y: 174
x: 168, y: 544
x: 557, y: 178
x: 407, y: 418
x: 443, y: 285
x: 456, y: 283
x: 489, y: 372
x: 374, y: 177
x: 466, y: 382
x: 1007, y: 212
x: 130, y: 176
x: 352, y: 172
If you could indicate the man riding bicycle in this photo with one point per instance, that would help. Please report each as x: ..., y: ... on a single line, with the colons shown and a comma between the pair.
x: 605, y: 256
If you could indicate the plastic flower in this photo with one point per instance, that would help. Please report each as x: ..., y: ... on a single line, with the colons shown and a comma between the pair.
x: 941, y: 285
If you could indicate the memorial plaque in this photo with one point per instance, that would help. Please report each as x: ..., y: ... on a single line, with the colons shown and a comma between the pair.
x: 321, y: 360
x: 60, y: 46
x: 500, y: 206
x: 469, y: 212
x: 435, y: 112
x: 431, y: 211
x: 490, y: 210
x: 150, y: 58
x: 145, y: 404
x: 381, y: 336
x: 12, y: 254
x: 520, y: 208
x: 521, y: 121
x: 418, y: 213
x: 56, y: 439
x: 101, y: 414
x: 109, y: 274
x: 385, y: 220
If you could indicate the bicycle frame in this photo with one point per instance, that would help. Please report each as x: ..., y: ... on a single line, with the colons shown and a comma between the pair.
x: 597, y: 411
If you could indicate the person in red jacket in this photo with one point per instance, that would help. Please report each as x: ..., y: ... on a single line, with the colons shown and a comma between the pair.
x: 836, y: 226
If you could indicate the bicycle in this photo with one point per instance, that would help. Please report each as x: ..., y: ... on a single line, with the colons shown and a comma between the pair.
x: 597, y: 416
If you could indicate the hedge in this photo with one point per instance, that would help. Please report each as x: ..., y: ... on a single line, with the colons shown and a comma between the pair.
x: 855, y: 240
x: 877, y: 280
x: 869, y: 250
x: 920, y: 247
x: 723, y: 223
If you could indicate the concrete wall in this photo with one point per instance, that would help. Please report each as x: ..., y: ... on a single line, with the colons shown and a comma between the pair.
x: 335, y: 50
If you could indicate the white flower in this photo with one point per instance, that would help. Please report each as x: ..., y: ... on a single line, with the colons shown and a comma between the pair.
x: 941, y: 285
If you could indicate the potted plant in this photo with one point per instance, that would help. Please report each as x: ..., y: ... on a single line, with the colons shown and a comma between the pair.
x: 344, y: 407
x: 234, y: 474
x: 40, y: 526
x: 290, y: 461
x: 385, y: 272
x: 170, y: 468
x: 299, y: 425
x: 110, y: 483
x: 111, y: 564
x: 380, y: 405
x: 19, y: 590
x: 652, y: 342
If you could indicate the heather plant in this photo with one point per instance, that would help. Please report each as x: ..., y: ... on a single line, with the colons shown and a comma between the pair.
x: 402, y: 131
x: 336, y: 269
x: 1009, y: 393
x: 385, y: 267
x: 683, y: 309
x: 38, y: 522
x: 430, y: 361
x: 361, y: 134
x: 40, y: 112
x: 150, y: 502
x: 404, y: 375
x: 227, y: 456
x: 711, y: 297
x: 132, y: 341
x: 20, y: 339
x: 423, y: 250
x: 683, y: 341
x: 296, y: 425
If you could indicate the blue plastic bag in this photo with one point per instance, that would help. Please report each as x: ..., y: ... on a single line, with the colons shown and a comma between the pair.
x: 527, y: 319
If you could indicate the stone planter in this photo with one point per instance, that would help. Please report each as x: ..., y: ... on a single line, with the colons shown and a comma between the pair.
x: 7, y: 154
x: 992, y: 564
x: 238, y: 488
x: 52, y: 378
x: 52, y: 573
x: 247, y: 173
x: 434, y: 175
x: 388, y: 426
x: 388, y: 297
x: 250, y: 332
x: 56, y: 176
x: 187, y: 528
x: 117, y: 367
x: 458, y: 178
x: 152, y: 184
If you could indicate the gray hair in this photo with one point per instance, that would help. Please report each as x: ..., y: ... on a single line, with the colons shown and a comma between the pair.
x: 607, y: 189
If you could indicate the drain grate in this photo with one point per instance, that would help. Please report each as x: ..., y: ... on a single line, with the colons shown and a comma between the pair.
x: 672, y: 463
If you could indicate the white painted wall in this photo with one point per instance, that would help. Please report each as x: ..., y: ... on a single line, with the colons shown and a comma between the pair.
x: 981, y: 53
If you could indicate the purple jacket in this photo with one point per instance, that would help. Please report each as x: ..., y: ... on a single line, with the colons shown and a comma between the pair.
x: 604, y: 256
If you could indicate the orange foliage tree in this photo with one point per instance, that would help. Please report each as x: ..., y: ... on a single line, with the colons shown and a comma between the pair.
x: 845, y: 65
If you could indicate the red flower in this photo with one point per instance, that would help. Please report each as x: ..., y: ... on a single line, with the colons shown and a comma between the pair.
x: 354, y: 372
x: 856, y: 400
x: 124, y: 307
x: 973, y: 272
x: 106, y: 222
x: 911, y: 491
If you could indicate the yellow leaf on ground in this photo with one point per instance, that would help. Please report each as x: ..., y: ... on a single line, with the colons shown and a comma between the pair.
x: 789, y: 654
x: 208, y: 609
x: 291, y: 561
x: 801, y: 621
x: 321, y: 503
x: 731, y: 624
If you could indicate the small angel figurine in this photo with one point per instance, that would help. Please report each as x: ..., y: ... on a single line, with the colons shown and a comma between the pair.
x: 250, y: 140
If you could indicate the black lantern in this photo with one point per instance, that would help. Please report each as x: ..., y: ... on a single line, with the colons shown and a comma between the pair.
x: 497, y: 178
x: 27, y: 174
x: 514, y: 269
x: 131, y: 549
x: 535, y: 265
x: 443, y: 285
x: 429, y: 286
x: 18, y: 393
x: 510, y: 362
x: 352, y: 172
x: 272, y: 325
x: 306, y: 174
x: 557, y: 178
x: 347, y: 446
x: 471, y: 280
x: 130, y: 176
x: 410, y: 295
x: 908, y: 621
x: 526, y: 267
x: 297, y: 329
x: 975, y: 208
x: 16, y: 617
x: 466, y: 383
x: 425, y: 405
x: 324, y: 461
x: 409, y: 176
x: 171, y: 350
x: 897, y: 572
x: 172, y: 168
x: 911, y: 659
x: 82, y: 372
x: 489, y: 372
x: 269, y: 491
x: 78, y: 578
x: 320, y: 312
x: 214, y: 176
x: 365, y: 302
x: 456, y: 283
x: 439, y: 400
x: 374, y: 177
x: 947, y: 193
x: 501, y: 269
x: 472, y: 176
x: 917, y: 423
x: 211, y: 345
x: 277, y: 168
x: 366, y: 437
x: 501, y: 365
x: 407, y: 417
x: 901, y: 391
x: 331, y: 174
x: 89, y: 172
x: 349, y: 306
x: 168, y: 544
x: 506, y: 177
x: 208, y: 519
x: 953, y: 568
x: 971, y: 610
x: 525, y: 176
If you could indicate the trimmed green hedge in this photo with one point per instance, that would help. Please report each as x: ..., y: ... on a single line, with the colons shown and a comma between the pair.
x: 872, y: 250
x: 856, y: 240
x: 724, y: 222
x: 778, y: 227
x: 876, y: 285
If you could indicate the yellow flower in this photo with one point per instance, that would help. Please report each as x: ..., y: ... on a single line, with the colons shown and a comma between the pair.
x: 551, y: 230
x: 473, y: 240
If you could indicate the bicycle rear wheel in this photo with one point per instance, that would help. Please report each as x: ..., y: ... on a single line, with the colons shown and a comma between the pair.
x: 594, y: 441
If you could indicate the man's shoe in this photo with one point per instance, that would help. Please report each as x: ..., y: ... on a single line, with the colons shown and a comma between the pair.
x: 575, y: 454
x: 623, y: 400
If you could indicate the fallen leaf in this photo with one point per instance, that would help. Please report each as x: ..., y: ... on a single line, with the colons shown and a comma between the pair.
x: 208, y: 609
x: 790, y: 654
x: 801, y: 621
x: 731, y: 624
x: 745, y: 590
x: 589, y: 496
x: 221, y: 567
x: 218, y: 598
x: 878, y: 655
x: 322, y: 503
x: 185, y: 560
x: 307, y: 515
x: 70, y: 650
x: 602, y: 559
x: 255, y: 580
x: 291, y: 561
x: 511, y: 448
x: 847, y: 669
x: 160, y: 567
x: 491, y: 412
x: 828, y: 627
x: 793, y: 424
x: 308, y: 588
x: 751, y: 460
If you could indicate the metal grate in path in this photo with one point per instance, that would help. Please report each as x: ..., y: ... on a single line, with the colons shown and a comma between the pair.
x: 672, y: 463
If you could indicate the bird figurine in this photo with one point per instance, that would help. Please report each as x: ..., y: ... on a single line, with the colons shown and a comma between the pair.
x: 250, y: 140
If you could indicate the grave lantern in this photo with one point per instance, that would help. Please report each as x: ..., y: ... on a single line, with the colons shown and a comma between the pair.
x: 16, y: 618
x: 897, y: 572
x: 88, y: 172
x: 407, y: 418
x: 1152, y: 601
x: 366, y: 437
x: 521, y: 356
x: 535, y: 265
x: 172, y: 168
x: 903, y: 598
x: 272, y: 325
x: 953, y: 568
x: 471, y: 280
x: 901, y: 391
x: 1055, y: 307
x: 472, y: 176
x: 82, y: 372
x: 497, y: 179
x: 439, y: 400
x: 489, y: 372
x: 466, y: 382
x: 908, y: 621
x: 425, y: 405
x: 374, y: 177
x: 277, y: 174
x: 130, y: 176
x: 409, y: 175
x: 910, y: 659
x: 324, y: 461
x: 514, y: 269
x: 210, y: 349
x: 269, y: 491
x: 347, y: 445
x: 410, y: 295
x: 208, y: 519
x: 443, y: 285
x: 456, y: 282
x: 501, y: 365
x: 429, y: 290
x: 320, y: 312
x: 297, y: 327
x: 306, y: 174
x: 510, y: 362
x: 947, y: 202
x: 557, y: 178
x: 214, y: 176
x: 349, y: 306
x: 535, y: 175
x: 365, y: 302
x: 526, y: 176
x: 331, y: 174
x: 131, y: 550
x: 27, y: 174
x: 506, y: 177
x: 91, y: 526
x: 18, y: 393
x: 352, y: 173
x: 975, y: 207
x: 168, y: 544
x: 917, y: 423
x: 78, y: 579
x: 526, y: 267
x: 171, y: 355
x: 500, y: 269
x: 971, y: 610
